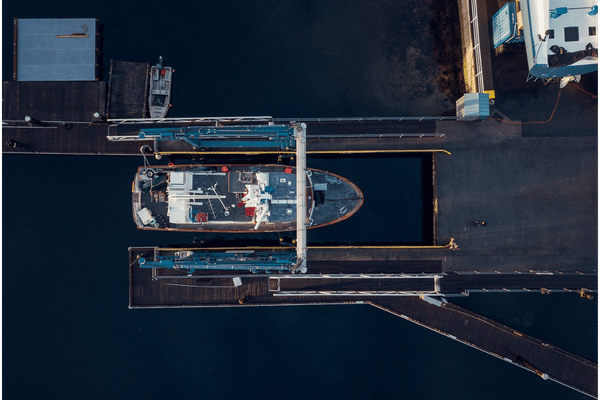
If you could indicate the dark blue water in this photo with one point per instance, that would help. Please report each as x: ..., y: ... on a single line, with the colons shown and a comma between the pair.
x: 67, y: 332
x: 394, y: 198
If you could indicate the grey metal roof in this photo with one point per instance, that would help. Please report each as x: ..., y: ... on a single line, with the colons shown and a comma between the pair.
x: 56, y: 49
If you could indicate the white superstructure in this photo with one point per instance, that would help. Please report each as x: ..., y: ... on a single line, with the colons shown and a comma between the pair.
x: 560, y: 37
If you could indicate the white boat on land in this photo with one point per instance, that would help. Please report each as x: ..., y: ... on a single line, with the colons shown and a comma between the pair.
x: 159, y: 99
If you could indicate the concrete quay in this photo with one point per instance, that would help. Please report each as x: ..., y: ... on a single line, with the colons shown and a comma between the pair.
x: 538, y: 196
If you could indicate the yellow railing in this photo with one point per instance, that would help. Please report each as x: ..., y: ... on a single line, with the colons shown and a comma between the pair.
x: 308, y: 152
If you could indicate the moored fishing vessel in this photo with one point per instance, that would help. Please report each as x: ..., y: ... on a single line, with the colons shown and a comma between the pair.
x: 159, y: 99
x: 238, y: 198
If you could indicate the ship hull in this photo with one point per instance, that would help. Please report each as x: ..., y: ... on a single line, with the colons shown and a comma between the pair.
x: 217, y: 198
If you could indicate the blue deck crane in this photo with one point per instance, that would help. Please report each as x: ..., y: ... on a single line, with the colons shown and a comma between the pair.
x: 242, y: 260
x: 244, y: 136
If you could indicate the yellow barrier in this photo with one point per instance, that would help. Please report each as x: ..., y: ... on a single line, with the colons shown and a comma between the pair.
x: 308, y: 152
x: 225, y: 248
x: 388, y: 247
x: 384, y: 247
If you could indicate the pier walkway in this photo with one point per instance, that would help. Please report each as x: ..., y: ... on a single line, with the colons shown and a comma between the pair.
x: 328, y: 136
x: 167, y: 288
x: 494, y: 338
x: 538, y: 197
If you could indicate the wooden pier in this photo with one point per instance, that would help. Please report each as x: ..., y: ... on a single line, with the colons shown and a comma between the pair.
x: 541, y: 233
x: 166, y: 289
x: 537, y: 195
x: 498, y: 340
x: 540, y: 236
x: 90, y: 137
x: 128, y: 90
x: 62, y: 113
x: 77, y: 118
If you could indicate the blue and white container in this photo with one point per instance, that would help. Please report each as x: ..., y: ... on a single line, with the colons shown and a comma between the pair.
x: 473, y: 106
x: 505, y: 26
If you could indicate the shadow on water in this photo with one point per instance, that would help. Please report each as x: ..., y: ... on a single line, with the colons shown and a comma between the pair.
x: 398, y: 200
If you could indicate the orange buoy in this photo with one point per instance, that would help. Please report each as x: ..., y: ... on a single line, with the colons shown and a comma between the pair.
x: 224, y: 168
x: 287, y: 170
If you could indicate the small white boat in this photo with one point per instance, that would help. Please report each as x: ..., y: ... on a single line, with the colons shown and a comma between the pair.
x: 159, y: 99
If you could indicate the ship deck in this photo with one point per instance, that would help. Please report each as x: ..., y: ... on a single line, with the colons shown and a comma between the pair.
x: 212, y: 198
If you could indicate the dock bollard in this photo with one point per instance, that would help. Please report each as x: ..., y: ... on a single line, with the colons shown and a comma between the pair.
x: 99, y: 116
x: 31, y: 121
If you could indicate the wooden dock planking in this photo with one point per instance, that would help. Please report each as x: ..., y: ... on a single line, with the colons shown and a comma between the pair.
x: 395, y: 144
x: 370, y: 127
x: 400, y: 254
x: 186, y: 291
x: 497, y: 339
x: 145, y: 292
x: 53, y: 101
x: 374, y: 266
x: 68, y: 139
x: 128, y: 89
x: 407, y: 135
x: 450, y: 320
x: 454, y: 283
x: 357, y: 284
x: 488, y: 250
x: 90, y: 138
x: 67, y: 111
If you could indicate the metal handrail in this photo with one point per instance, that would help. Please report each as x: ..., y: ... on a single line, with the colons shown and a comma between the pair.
x: 476, y: 46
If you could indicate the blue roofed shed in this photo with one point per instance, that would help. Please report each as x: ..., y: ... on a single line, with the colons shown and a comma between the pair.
x: 56, y: 49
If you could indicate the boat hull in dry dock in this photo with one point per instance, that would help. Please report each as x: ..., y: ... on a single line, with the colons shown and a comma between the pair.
x: 237, y: 198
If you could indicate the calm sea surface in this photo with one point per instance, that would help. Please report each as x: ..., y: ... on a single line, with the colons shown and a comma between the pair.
x: 67, y: 332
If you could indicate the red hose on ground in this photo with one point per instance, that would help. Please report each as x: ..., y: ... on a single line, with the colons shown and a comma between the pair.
x: 533, y: 122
